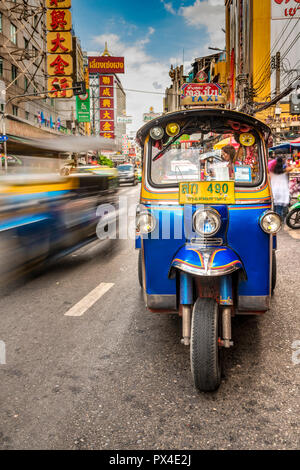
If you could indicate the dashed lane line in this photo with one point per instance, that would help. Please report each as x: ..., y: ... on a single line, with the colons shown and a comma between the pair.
x: 84, y: 304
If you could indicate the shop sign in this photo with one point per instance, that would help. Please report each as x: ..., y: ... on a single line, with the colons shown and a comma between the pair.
x: 58, y: 3
x: 104, y: 64
x: 285, y: 9
x: 59, y: 47
x: 64, y: 82
x: 59, y: 64
x: 124, y: 120
x: 107, y: 116
x: 202, y: 94
x: 59, y: 20
x: 59, y: 42
x: 83, y: 107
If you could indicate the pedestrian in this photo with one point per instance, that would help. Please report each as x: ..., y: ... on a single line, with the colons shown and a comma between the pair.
x: 280, y: 187
x: 228, y: 155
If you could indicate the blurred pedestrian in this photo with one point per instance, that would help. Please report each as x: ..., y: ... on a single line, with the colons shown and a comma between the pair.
x: 280, y: 187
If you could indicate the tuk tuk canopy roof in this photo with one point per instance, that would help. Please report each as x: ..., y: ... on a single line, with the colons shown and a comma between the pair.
x: 201, y: 114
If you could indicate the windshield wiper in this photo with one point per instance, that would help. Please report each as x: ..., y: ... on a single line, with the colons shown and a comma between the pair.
x: 160, y: 154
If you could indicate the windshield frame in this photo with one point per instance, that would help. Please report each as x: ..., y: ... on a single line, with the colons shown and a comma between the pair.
x: 262, y: 166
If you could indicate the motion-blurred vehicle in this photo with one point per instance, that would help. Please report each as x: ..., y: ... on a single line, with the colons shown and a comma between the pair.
x: 127, y: 174
x: 206, y: 231
x: 44, y: 217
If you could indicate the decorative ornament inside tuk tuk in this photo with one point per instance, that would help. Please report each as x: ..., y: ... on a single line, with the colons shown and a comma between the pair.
x: 247, y: 139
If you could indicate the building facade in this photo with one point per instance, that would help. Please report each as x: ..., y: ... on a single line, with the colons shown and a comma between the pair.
x: 23, y: 67
x: 263, y: 59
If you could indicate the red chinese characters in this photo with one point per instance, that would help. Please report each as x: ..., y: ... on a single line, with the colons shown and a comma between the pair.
x: 107, y: 117
x: 58, y: 44
x: 59, y: 65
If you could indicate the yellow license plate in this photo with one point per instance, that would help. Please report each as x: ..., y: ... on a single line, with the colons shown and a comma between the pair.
x: 207, y: 192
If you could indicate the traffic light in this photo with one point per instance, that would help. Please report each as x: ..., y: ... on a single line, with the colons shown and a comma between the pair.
x: 79, y: 88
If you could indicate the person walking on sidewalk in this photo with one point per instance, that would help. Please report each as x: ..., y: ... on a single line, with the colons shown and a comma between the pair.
x: 280, y: 187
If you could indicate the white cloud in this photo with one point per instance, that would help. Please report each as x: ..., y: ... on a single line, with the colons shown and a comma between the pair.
x: 209, y: 14
x: 169, y: 7
x: 142, y: 72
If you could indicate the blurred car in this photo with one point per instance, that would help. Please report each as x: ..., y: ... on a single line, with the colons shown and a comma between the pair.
x: 127, y: 174
x: 45, y: 217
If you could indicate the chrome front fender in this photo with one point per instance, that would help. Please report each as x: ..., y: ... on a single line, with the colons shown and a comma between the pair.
x: 212, y: 261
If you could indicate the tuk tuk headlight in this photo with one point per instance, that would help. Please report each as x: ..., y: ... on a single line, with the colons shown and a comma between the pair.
x: 270, y: 222
x: 206, y: 222
x: 145, y: 223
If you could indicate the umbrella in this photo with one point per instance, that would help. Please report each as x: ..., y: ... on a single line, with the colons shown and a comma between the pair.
x: 288, y: 147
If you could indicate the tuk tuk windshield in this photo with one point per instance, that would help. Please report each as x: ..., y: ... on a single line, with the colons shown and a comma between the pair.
x: 207, y: 157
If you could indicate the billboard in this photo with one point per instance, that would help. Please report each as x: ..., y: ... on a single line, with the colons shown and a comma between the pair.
x: 104, y: 64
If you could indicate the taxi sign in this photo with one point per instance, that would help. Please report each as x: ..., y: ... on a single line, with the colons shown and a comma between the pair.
x: 207, y: 192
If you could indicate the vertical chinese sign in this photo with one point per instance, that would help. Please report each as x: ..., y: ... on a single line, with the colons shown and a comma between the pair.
x: 59, y: 48
x: 107, y: 118
x: 106, y: 67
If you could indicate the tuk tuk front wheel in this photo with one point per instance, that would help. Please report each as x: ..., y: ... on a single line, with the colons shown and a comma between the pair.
x: 205, y: 349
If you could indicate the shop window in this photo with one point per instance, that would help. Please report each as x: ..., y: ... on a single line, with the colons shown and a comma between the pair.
x: 13, y: 33
x: 14, y: 74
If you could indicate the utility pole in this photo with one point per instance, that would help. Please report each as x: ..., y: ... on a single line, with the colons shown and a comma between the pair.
x: 277, y: 73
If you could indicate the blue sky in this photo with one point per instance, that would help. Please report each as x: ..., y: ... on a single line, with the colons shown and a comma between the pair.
x: 151, y: 36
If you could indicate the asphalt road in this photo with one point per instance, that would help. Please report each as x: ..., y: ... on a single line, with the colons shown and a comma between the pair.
x: 117, y: 377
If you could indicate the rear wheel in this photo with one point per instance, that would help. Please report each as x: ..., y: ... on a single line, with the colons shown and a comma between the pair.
x: 205, y: 350
x: 293, y: 218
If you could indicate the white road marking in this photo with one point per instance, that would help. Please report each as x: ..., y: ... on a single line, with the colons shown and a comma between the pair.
x: 84, y: 304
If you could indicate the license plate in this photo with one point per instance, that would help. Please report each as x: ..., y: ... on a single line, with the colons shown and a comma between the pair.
x: 207, y: 192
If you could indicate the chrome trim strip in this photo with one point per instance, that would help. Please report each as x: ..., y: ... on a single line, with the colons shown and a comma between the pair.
x: 254, y: 302
x: 157, y: 301
x: 204, y: 272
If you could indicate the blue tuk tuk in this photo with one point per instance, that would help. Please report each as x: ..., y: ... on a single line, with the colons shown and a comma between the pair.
x: 206, y: 231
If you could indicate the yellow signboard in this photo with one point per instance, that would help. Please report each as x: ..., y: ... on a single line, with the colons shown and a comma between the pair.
x: 59, y: 20
x: 58, y: 3
x: 207, y: 192
x: 59, y: 64
x: 59, y: 42
x: 57, y: 87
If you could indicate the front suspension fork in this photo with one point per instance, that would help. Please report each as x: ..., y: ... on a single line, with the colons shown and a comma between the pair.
x: 226, y: 305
